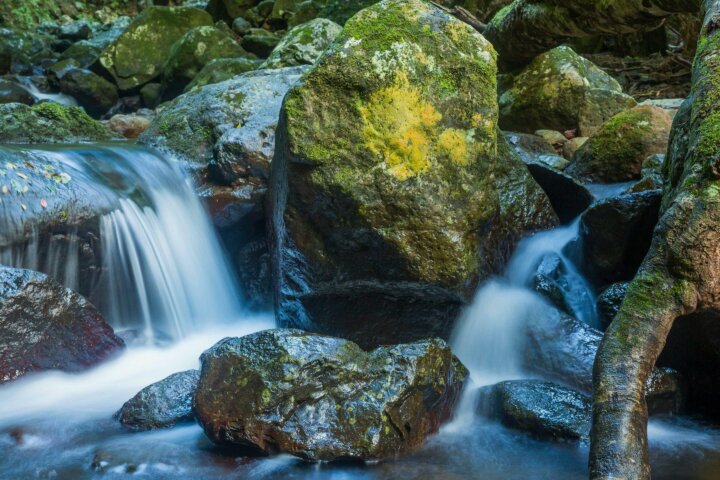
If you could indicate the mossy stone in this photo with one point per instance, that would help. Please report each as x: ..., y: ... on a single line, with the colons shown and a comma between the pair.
x: 389, y: 170
x: 303, y: 44
x: 192, y: 52
x: 137, y: 55
x: 49, y: 123
x: 222, y: 69
x: 561, y: 90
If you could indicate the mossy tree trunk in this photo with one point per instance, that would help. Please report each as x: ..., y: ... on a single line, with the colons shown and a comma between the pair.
x: 527, y: 28
x: 680, y: 275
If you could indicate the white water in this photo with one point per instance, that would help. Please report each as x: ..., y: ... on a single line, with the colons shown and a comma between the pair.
x: 60, y: 98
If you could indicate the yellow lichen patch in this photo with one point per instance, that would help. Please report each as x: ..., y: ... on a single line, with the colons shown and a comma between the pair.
x: 453, y: 144
x: 401, y: 127
x: 398, y: 125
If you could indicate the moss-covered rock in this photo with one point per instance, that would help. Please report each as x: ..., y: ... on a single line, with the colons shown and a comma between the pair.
x: 324, y: 398
x: 29, y: 14
x: 222, y: 69
x: 20, y: 51
x: 392, y: 192
x: 49, y: 123
x: 616, y: 153
x: 192, y: 52
x: 260, y: 42
x: 304, y: 44
x: 89, y: 89
x: 136, y: 56
x: 561, y: 91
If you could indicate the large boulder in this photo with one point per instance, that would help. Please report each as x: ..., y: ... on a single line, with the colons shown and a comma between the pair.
x: 392, y: 191
x: 137, y: 55
x: 161, y: 405
x: 192, y: 52
x: 617, y: 152
x: 542, y: 409
x: 44, y: 326
x: 324, y: 398
x: 49, y: 123
x: 303, y: 44
x: 615, y: 235
x: 561, y: 90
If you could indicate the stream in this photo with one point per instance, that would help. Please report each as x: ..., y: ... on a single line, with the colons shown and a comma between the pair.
x: 166, y: 278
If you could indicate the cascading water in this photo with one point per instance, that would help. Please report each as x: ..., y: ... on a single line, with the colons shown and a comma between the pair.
x: 163, y: 267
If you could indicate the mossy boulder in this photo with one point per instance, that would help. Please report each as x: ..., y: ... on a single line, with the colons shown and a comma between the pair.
x: 304, y: 44
x: 323, y: 398
x: 392, y: 192
x: 222, y: 69
x: 617, y: 152
x: 21, y: 51
x: 260, y: 42
x: 561, y: 90
x: 49, y: 123
x: 94, y: 93
x: 137, y: 55
x: 192, y: 52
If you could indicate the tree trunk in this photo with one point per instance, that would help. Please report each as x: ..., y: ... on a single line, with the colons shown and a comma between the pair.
x: 680, y: 275
x: 527, y: 28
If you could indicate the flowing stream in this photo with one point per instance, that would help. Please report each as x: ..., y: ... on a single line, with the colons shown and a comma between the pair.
x: 164, y: 274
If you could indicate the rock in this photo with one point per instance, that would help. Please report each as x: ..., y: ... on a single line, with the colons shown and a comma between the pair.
x: 553, y: 161
x: 44, y: 326
x: 340, y: 11
x: 129, y: 126
x: 383, y: 154
x: 260, y: 42
x: 137, y: 55
x: 542, y: 409
x: 222, y: 69
x: 241, y: 26
x: 561, y: 91
x: 615, y: 235
x: 569, y: 198
x: 304, y: 44
x: 554, y: 138
x: 609, y: 302
x: 616, y: 153
x: 161, y: 405
x: 556, y: 282
x: 49, y: 123
x: 11, y: 92
x: 87, y: 52
x: 572, y: 146
x: 95, y: 94
x: 324, y: 398
x: 151, y: 94
x: 75, y: 31
x: 671, y: 105
x: 192, y: 52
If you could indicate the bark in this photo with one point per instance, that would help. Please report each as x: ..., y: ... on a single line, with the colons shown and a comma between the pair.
x: 679, y: 276
x: 527, y: 28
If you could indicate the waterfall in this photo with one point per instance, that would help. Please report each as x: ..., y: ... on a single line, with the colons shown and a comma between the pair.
x: 163, y: 271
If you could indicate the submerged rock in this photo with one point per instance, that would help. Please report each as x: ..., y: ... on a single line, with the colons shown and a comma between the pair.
x: 393, y: 193
x: 44, y: 326
x: 561, y: 90
x: 49, y: 123
x: 303, y: 44
x: 161, y: 405
x: 615, y: 235
x: 542, y: 409
x: 616, y: 153
x: 324, y: 398
x: 137, y: 55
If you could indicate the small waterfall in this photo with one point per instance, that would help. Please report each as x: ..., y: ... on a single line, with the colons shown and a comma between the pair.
x: 489, y: 337
x: 163, y: 270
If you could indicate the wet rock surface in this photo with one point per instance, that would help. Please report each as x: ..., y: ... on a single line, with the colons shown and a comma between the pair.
x: 609, y: 302
x: 44, y: 326
x: 542, y: 409
x: 324, y: 398
x: 161, y: 405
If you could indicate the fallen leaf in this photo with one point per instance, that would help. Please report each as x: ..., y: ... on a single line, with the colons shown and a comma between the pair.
x: 43, y: 203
